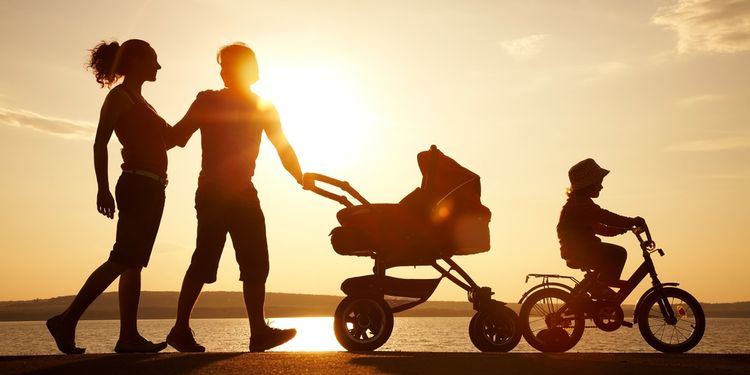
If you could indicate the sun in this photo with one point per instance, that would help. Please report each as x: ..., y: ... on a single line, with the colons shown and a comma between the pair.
x: 323, y: 113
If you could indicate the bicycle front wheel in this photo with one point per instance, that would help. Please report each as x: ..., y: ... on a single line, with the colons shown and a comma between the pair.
x: 671, y: 335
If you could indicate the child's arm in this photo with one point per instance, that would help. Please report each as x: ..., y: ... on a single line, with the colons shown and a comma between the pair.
x: 609, y: 231
x: 612, y: 224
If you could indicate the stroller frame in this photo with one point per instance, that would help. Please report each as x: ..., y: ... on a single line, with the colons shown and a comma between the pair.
x: 364, y: 320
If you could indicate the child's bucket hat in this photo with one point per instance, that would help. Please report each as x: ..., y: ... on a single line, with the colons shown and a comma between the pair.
x: 586, y: 173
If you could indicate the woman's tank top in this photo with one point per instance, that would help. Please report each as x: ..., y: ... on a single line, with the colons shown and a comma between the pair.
x: 142, y: 133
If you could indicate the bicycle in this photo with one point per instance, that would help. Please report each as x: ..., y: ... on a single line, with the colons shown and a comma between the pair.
x: 553, y: 314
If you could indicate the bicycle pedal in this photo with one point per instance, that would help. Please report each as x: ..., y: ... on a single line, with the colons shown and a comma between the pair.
x: 627, y: 324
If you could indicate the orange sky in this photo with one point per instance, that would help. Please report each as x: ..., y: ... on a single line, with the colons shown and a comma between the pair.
x: 657, y: 92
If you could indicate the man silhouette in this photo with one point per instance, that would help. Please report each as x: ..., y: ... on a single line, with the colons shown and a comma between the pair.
x: 231, y: 122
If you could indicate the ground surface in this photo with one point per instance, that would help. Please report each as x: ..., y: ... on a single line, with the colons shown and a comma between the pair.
x: 378, y: 363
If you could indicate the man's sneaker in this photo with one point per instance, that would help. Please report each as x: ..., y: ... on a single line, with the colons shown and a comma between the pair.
x: 271, y: 338
x: 183, y: 341
x: 140, y: 345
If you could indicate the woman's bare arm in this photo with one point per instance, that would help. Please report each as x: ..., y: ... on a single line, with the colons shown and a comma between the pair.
x: 113, y: 107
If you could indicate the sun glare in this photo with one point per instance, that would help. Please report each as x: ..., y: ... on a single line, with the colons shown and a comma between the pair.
x: 322, y: 114
x: 313, y: 335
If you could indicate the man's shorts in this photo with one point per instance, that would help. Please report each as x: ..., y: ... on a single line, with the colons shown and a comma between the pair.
x: 140, y: 201
x: 238, y: 214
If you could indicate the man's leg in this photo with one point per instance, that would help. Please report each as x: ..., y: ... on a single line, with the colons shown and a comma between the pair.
x: 181, y: 336
x: 203, y: 267
x: 262, y: 337
x: 189, y: 293
x: 248, y: 231
x: 255, y: 295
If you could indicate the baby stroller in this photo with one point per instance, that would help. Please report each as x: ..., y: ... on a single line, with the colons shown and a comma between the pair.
x: 441, y: 218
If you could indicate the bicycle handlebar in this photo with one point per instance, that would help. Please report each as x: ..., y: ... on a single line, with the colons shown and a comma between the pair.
x: 648, y: 243
x: 308, y: 183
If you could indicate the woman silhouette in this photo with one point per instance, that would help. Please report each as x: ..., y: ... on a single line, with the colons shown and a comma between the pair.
x: 139, y: 191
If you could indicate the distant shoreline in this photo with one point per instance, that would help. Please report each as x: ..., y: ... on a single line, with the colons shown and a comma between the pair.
x: 228, y: 305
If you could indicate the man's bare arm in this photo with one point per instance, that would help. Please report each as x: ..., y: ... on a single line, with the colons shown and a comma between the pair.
x: 180, y: 133
x: 281, y: 143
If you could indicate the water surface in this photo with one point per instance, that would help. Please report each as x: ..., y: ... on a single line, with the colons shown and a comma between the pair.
x: 723, y: 335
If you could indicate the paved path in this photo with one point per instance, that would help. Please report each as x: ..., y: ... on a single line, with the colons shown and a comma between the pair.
x: 379, y: 363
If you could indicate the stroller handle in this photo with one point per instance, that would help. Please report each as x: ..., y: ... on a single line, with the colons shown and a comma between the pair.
x: 308, y: 183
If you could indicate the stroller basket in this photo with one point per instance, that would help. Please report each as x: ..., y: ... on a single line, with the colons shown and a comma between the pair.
x: 441, y: 218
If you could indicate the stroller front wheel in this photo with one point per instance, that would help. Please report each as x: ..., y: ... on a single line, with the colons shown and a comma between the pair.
x: 496, y: 330
x: 362, y: 323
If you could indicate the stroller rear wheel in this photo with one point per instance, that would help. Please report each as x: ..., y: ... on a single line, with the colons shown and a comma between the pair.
x: 362, y: 323
x: 496, y: 330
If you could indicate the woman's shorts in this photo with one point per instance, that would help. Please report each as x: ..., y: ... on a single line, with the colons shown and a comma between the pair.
x: 140, y: 201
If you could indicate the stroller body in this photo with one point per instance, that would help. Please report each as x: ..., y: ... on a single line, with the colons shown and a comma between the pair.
x: 441, y: 218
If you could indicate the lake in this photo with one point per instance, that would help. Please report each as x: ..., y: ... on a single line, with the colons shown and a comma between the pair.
x: 723, y: 335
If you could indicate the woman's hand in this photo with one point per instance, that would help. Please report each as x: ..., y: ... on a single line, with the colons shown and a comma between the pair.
x: 105, y: 204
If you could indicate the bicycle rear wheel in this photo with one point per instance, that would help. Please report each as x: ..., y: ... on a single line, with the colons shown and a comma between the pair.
x: 676, y: 336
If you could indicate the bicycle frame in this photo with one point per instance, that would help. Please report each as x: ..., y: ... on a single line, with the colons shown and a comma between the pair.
x: 647, y: 268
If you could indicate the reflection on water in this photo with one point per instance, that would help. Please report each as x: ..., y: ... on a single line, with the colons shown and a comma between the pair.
x: 316, y: 334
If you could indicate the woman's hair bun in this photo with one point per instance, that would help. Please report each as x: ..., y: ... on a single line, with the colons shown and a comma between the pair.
x: 102, y: 62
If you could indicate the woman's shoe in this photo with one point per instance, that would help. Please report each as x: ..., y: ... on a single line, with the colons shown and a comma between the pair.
x: 65, y: 341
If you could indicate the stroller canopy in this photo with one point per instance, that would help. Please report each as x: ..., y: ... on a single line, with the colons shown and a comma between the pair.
x: 449, y: 198
x: 443, y: 178
x: 441, y: 218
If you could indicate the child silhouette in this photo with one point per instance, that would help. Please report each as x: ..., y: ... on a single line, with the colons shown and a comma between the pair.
x: 581, y: 220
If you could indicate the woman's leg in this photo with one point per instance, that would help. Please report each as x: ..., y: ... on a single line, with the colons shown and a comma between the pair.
x: 130, y: 340
x: 141, y: 202
x: 63, y: 326
x: 94, y: 286
x: 129, y: 293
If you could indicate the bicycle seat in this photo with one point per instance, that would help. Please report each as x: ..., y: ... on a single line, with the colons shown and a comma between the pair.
x: 577, y: 264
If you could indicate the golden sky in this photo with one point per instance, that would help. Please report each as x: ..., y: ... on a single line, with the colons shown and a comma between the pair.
x: 517, y: 91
